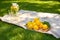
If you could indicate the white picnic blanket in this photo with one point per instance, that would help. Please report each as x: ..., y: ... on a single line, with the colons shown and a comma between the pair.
x: 23, y: 16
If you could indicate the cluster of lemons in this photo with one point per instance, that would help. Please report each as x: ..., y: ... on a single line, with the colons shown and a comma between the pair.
x: 36, y: 24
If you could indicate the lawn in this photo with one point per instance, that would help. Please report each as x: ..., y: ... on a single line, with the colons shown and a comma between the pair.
x: 13, y: 32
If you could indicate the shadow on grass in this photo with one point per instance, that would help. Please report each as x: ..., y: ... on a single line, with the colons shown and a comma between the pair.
x: 13, y: 32
x: 8, y: 31
x: 43, y: 7
x: 40, y: 7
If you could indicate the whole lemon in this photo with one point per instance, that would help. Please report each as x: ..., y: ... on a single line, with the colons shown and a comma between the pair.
x: 40, y: 26
x: 45, y: 27
x: 36, y: 27
x: 36, y: 20
x: 29, y: 25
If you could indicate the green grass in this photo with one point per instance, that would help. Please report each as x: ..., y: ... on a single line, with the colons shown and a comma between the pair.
x: 39, y: 6
x: 13, y: 32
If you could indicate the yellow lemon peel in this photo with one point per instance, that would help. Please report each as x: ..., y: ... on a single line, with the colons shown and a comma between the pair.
x: 36, y: 24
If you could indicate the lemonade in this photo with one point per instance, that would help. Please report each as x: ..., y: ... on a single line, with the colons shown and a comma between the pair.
x: 14, y: 8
